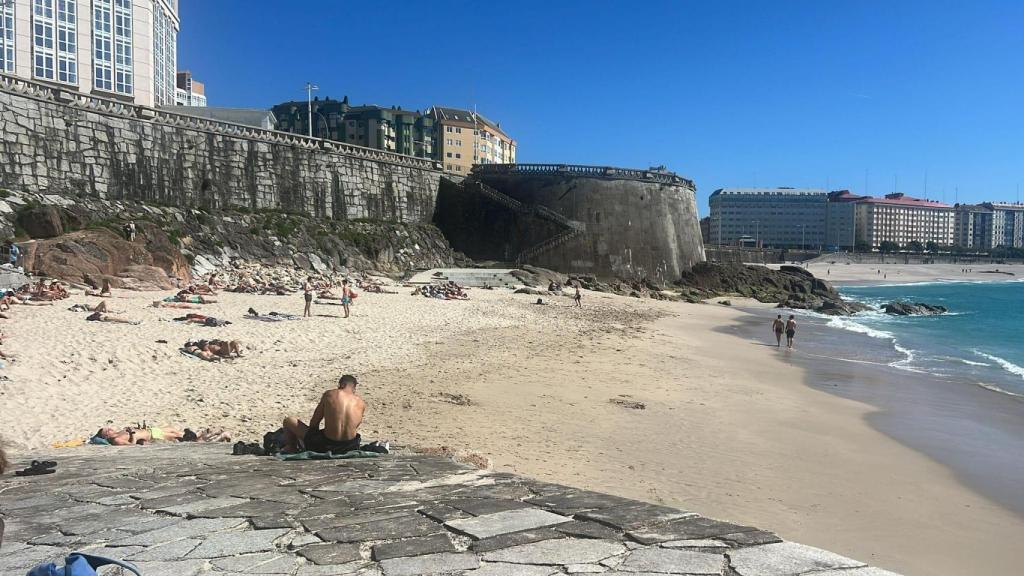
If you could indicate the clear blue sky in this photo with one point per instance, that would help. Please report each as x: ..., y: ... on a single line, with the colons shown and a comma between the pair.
x: 728, y: 93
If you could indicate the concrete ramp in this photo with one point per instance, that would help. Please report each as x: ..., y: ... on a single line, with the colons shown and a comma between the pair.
x: 476, y: 277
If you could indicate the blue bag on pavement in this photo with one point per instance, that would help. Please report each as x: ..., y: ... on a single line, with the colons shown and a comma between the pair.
x: 80, y: 565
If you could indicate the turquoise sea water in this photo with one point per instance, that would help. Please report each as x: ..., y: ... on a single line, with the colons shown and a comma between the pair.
x: 981, y: 340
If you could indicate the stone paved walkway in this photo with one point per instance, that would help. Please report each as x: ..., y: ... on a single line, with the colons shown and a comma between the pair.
x: 194, y: 509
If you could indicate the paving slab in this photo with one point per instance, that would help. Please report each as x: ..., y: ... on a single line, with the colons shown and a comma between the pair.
x: 515, y: 539
x: 585, y: 569
x: 673, y: 562
x: 413, y: 547
x: 443, y: 563
x: 332, y: 553
x: 584, y: 529
x: 786, y: 559
x: 489, y: 525
x: 502, y: 569
x: 180, y: 530
x: 685, y: 529
x: 555, y: 552
x: 166, y: 552
x: 358, y: 568
x: 633, y: 516
x: 263, y: 563
x: 175, y: 568
x: 233, y: 543
x: 481, y: 506
x: 407, y: 526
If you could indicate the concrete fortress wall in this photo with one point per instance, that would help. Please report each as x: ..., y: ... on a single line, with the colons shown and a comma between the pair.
x: 67, y: 143
x: 609, y: 222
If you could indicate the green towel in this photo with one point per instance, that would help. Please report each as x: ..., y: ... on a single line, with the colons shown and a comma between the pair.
x: 310, y: 455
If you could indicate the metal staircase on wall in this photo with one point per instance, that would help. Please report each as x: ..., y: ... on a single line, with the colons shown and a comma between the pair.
x: 572, y: 228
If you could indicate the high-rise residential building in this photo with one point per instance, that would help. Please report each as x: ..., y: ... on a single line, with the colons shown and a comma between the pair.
x: 392, y: 129
x: 125, y: 49
x: 900, y: 219
x: 771, y: 217
x: 465, y: 138
x: 989, y: 225
x: 189, y: 91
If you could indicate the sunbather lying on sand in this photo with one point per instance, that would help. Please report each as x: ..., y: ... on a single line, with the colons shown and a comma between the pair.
x: 180, y: 305
x: 103, y: 317
x: 101, y: 307
x: 272, y: 317
x: 213, y: 349
x: 185, y: 296
x: 131, y: 435
x: 201, y: 319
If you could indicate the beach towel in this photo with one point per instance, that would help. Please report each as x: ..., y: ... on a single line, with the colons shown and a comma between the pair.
x: 309, y: 455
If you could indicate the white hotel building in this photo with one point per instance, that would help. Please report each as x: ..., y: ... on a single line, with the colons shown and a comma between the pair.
x: 126, y: 49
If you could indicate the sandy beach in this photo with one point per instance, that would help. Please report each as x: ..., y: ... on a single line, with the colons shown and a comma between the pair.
x: 842, y: 273
x: 729, y: 427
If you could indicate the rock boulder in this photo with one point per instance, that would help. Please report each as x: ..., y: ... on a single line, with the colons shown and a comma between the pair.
x: 913, y: 309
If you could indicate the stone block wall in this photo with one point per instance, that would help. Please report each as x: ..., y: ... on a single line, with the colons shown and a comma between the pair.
x: 58, y: 142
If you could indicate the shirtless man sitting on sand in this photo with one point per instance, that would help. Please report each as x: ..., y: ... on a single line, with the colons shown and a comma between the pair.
x: 130, y: 435
x: 341, y: 411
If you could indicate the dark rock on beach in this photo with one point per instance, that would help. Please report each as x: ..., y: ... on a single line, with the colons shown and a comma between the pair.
x: 913, y: 309
x: 791, y: 287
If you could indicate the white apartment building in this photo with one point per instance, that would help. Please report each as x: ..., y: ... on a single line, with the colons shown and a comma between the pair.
x: 125, y: 49
x: 902, y: 219
x: 989, y: 225
x: 772, y: 217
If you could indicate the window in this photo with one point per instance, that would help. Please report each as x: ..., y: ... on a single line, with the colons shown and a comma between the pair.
x: 458, y: 155
x: 113, y: 62
x: 6, y: 37
x: 458, y: 142
x: 449, y: 154
x: 447, y: 128
x: 458, y: 168
x: 54, y: 40
x: 458, y: 130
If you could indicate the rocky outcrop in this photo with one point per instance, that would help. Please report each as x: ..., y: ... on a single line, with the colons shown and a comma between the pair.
x: 913, y: 309
x: 183, y: 242
x: 92, y: 256
x: 790, y: 286
x: 40, y: 221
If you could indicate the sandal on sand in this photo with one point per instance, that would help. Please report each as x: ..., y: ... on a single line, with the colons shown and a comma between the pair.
x: 38, y: 468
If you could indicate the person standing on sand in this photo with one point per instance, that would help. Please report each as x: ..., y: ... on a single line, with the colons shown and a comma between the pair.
x: 578, y: 296
x: 346, y: 296
x: 790, y: 331
x: 307, y: 289
x: 778, y: 326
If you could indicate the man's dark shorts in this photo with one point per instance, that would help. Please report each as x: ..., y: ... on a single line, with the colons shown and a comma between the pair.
x: 317, y: 442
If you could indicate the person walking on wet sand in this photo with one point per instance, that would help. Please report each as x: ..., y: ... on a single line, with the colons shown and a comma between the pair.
x: 307, y: 289
x: 578, y: 296
x: 790, y: 330
x: 778, y: 326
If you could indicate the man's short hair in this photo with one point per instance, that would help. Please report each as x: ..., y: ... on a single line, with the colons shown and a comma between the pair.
x: 347, y: 380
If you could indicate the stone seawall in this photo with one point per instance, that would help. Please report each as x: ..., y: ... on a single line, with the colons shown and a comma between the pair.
x: 59, y: 142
